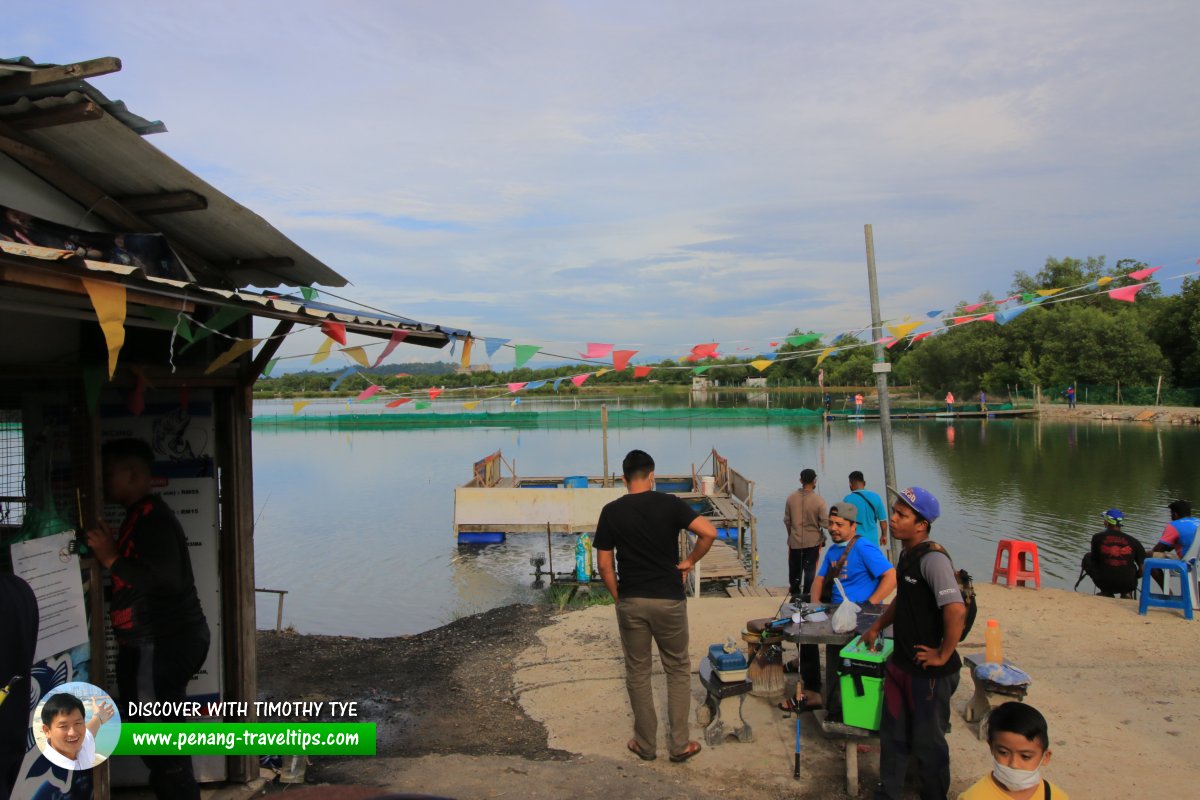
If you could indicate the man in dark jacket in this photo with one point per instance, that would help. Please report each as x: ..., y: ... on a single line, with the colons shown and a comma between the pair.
x: 1115, y: 561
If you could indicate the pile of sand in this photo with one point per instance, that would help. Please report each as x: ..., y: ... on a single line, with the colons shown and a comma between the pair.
x: 1119, y: 691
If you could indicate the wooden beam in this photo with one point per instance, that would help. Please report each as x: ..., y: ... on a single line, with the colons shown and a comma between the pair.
x: 270, y: 263
x: 269, y: 349
x: 164, y: 202
x: 20, y: 275
x: 48, y: 76
x: 56, y: 115
x: 27, y: 154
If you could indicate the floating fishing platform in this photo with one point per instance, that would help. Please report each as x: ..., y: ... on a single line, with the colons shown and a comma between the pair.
x: 493, y: 505
x: 1006, y: 412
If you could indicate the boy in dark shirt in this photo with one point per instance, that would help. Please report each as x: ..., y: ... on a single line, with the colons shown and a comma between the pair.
x: 160, y: 629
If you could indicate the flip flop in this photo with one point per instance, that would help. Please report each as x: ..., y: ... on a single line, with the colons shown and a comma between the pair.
x: 792, y: 707
x: 692, y: 748
x: 633, y: 747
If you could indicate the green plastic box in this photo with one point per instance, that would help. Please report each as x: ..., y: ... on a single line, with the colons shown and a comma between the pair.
x: 861, y: 679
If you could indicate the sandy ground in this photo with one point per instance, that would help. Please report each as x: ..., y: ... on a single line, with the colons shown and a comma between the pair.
x: 1115, y: 687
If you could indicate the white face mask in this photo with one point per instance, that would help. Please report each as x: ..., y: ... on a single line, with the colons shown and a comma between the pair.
x: 1016, y: 779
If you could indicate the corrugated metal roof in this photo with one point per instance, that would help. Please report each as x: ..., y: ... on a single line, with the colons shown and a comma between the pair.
x: 110, y: 153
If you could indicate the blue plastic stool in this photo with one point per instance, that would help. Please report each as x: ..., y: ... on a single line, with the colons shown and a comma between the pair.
x: 1153, y: 598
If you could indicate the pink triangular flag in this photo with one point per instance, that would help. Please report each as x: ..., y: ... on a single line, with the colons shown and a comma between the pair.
x: 973, y: 307
x: 516, y: 387
x: 641, y: 372
x: 579, y: 379
x: 433, y: 393
x: 597, y: 350
x: 397, y: 338
x: 370, y: 391
x: 987, y: 318
x: 891, y: 343
x: 921, y: 336
x: 1126, y: 293
x: 705, y: 350
x: 621, y: 359
x: 1142, y: 274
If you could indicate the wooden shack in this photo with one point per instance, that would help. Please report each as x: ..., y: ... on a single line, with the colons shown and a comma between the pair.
x: 123, y: 280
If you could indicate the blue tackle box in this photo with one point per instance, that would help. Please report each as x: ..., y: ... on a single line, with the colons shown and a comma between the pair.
x: 728, y: 666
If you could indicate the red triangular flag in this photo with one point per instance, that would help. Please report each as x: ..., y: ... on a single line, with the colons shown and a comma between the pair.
x: 579, y: 379
x: 335, y: 331
x: 516, y: 387
x: 433, y: 393
x: 366, y: 393
x: 1142, y: 274
x: 399, y: 402
x: 641, y: 372
x: 621, y: 358
x: 1126, y: 293
x: 397, y: 338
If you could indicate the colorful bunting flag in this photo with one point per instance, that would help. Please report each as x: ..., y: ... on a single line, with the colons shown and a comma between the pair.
x: 323, y: 351
x: 641, y: 372
x: 346, y: 373
x: 904, y: 329
x: 1048, y: 292
x: 921, y: 336
x: 465, y: 361
x: 434, y: 393
x: 990, y: 317
x: 579, y: 379
x: 774, y: 344
x: 453, y: 337
x: 397, y: 338
x: 702, y: 370
x: 171, y: 320
x: 492, y: 345
x: 299, y: 406
x: 471, y: 406
x: 358, y: 354
x: 529, y: 387
x: 621, y: 358
x: 239, y: 347
x: 421, y: 405
x: 557, y: 381
x: 308, y: 293
x: 973, y: 307
x: 891, y: 342
x: 398, y: 402
x: 523, y: 353
x: 267, y: 370
x: 704, y: 350
x: 602, y: 371
x: 222, y: 319
x: 1142, y: 274
x: 108, y: 299
x: 335, y: 331
x: 824, y: 355
x: 516, y: 402
x: 761, y: 364
x: 1105, y: 281
x: 1126, y: 293
x: 1009, y: 314
x: 800, y: 341
x: 597, y: 350
x: 367, y: 393
x: 516, y: 387
x: 937, y: 312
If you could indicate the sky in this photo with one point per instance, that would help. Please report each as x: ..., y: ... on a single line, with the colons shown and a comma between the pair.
x: 656, y: 175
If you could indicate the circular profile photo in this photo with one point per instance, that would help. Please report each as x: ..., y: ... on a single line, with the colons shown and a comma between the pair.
x: 76, y: 725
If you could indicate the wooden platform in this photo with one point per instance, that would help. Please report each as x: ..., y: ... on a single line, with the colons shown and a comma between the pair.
x: 756, y: 591
x: 722, y: 563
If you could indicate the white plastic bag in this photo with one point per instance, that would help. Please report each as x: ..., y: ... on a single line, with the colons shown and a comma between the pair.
x: 845, y: 619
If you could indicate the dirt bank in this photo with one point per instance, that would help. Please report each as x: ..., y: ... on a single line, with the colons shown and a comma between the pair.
x: 1159, y: 415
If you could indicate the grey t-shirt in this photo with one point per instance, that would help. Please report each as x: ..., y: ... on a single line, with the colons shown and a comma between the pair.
x: 938, y: 572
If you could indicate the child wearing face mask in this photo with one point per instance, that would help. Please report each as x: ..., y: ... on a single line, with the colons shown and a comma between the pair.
x: 1020, y: 742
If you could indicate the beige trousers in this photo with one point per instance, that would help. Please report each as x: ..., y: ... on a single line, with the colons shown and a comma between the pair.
x: 642, y: 620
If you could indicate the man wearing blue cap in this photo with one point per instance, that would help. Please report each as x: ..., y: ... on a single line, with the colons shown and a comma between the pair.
x: 1115, y: 561
x: 928, y: 616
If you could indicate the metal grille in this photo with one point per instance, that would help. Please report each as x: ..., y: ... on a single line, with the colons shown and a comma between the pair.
x: 13, y: 499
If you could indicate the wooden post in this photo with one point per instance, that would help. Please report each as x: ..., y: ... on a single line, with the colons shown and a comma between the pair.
x: 1118, y: 391
x: 881, y: 368
x: 1158, y: 392
x: 753, y: 551
x: 604, y: 438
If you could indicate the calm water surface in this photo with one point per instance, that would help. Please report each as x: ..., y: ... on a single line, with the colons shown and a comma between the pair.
x: 357, y: 526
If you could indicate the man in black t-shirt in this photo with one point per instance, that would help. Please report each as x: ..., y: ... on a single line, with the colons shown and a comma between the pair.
x: 162, y: 636
x: 1115, y: 560
x: 643, y: 529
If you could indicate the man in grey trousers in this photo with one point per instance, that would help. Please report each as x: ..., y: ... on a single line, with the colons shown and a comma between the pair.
x: 643, y: 529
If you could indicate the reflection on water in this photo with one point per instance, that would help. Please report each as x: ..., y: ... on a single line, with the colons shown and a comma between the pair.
x: 357, y: 525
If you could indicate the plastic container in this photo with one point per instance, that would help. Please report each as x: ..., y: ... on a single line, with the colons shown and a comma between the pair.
x: 861, y: 681
x: 994, y: 648
x: 708, y: 484
x: 727, y: 666
x: 575, y: 482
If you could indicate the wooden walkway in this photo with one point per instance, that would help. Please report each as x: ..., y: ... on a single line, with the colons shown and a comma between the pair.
x: 756, y: 591
x: 722, y: 563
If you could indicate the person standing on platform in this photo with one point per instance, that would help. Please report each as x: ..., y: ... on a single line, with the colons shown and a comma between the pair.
x: 638, y: 534
x: 805, y: 517
x: 928, y: 616
x: 162, y: 636
x: 1071, y: 396
x: 983, y: 401
x: 950, y: 402
x: 858, y: 403
x: 872, y: 517
x: 828, y: 403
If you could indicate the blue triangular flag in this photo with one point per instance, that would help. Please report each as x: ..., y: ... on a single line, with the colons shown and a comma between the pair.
x: 349, y: 371
x: 557, y: 381
x: 937, y: 312
x: 493, y: 345
x: 1009, y: 314
x: 453, y: 342
x: 534, y: 385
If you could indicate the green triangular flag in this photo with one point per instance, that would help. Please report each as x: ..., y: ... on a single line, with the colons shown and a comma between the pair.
x: 420, y: 404
x: 309, y: 293
x: 800, y: 341
x: 1027, y: 297
x: 266, y: 373
x: 699, y: 370
x: 524, y: 352
x: 173, y: 320
x: 219, y: 321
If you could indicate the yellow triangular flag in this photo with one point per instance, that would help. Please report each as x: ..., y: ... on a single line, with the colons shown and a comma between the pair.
x: 824, y: 355
x: 1048, y: 292
x: 299, y: 405
x: 471, y: 405
x: 900, y: 331
x: 465, y: 361
x: 761, y: 364
x: 323, y: 350
x: 601, y: 371
x: 358, y: 354
x: 109, y: 301
x: 239, y: 347
x: 1104, y: 281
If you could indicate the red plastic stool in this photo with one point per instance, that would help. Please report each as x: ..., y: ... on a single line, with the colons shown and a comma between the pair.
x: 1017, y: 570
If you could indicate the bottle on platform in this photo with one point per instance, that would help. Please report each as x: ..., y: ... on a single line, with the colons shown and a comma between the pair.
x: 994, y: 649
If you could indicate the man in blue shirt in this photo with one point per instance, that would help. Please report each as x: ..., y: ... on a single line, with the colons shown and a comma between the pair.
x: 865, y: 573
x: 872, y: 516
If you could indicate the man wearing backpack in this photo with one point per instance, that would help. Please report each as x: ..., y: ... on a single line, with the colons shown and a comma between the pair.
x: 928, y: 617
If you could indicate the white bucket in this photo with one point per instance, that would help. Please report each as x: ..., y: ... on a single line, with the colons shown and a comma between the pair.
x: 708, y: 484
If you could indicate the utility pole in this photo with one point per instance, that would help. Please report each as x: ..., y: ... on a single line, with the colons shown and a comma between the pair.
x: 604, y: 438
x: 881, y: 368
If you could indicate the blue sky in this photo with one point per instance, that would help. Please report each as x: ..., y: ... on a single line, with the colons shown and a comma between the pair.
x: 661, y: 174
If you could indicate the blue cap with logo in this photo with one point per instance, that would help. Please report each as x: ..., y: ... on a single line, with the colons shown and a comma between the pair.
x: 922, y: 501
x: 1113, y: 516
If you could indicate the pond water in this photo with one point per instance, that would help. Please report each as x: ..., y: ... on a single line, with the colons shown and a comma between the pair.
x: 356, y: 526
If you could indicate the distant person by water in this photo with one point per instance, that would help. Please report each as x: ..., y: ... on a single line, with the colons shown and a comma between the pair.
x: 805, y: 518
x: 950, y: 401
